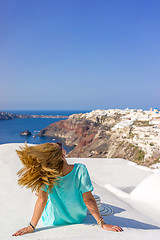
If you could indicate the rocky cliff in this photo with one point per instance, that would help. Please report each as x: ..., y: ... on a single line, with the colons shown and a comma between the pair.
x: 93, y: 137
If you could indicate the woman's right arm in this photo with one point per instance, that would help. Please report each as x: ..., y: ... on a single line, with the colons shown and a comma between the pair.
x: 38, y: 209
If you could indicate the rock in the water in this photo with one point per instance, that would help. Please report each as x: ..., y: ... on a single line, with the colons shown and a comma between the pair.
x: 25, y: 133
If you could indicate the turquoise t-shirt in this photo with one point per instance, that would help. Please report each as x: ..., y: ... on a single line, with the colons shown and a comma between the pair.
x: 65, y: 204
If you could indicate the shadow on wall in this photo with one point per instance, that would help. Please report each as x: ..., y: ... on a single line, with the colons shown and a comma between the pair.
x: 128, y: 189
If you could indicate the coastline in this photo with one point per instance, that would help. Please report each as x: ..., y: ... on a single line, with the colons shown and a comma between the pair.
x: 132, y: 134
x: 9, y: 116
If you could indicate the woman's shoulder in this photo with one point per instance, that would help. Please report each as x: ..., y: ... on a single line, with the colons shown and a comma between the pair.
x: 81, y: 167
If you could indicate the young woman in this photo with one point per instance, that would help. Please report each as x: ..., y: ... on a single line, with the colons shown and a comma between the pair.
x: 63, y: 190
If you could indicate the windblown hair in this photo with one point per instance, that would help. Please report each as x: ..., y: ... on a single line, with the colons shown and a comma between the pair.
x: 42, y: 165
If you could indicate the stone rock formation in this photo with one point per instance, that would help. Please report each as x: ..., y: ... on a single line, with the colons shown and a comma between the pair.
x: 25, y: 133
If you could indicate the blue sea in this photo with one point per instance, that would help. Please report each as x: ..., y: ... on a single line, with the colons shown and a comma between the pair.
x: 10, y: 129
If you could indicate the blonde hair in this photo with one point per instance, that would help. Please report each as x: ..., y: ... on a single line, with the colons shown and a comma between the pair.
x: 42, y: 165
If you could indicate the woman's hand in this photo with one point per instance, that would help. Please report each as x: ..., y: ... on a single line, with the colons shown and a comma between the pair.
x: 38, y: 209
x: 110, y: 227
x: 22, y: 231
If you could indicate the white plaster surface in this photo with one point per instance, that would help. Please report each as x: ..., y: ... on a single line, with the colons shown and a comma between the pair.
x: 113, y: 181
x: 147, y: 191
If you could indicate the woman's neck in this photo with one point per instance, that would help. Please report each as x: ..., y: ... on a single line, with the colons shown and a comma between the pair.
x: 66, y: 168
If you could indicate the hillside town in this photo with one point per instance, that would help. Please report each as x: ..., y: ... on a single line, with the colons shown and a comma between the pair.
x: 142, y: 126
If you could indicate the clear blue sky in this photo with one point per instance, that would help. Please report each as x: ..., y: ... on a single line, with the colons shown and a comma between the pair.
x: 79, y: 54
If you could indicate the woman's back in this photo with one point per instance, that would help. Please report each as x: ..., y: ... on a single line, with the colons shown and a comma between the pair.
x: 65, y: 203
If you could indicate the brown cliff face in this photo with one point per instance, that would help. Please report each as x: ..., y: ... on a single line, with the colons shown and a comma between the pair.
x: 71, y: 131
x: 92, y: 138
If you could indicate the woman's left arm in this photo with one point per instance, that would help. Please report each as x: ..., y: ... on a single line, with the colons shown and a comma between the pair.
x: 38, y: 209
x: 91, y: 204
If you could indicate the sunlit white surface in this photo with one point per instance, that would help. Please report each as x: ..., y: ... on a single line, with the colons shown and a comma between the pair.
x: 114, y: 180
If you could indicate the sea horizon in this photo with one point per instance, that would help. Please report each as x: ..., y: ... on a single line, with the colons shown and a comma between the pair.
x: 59, y: 111
x: 45, y: 112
